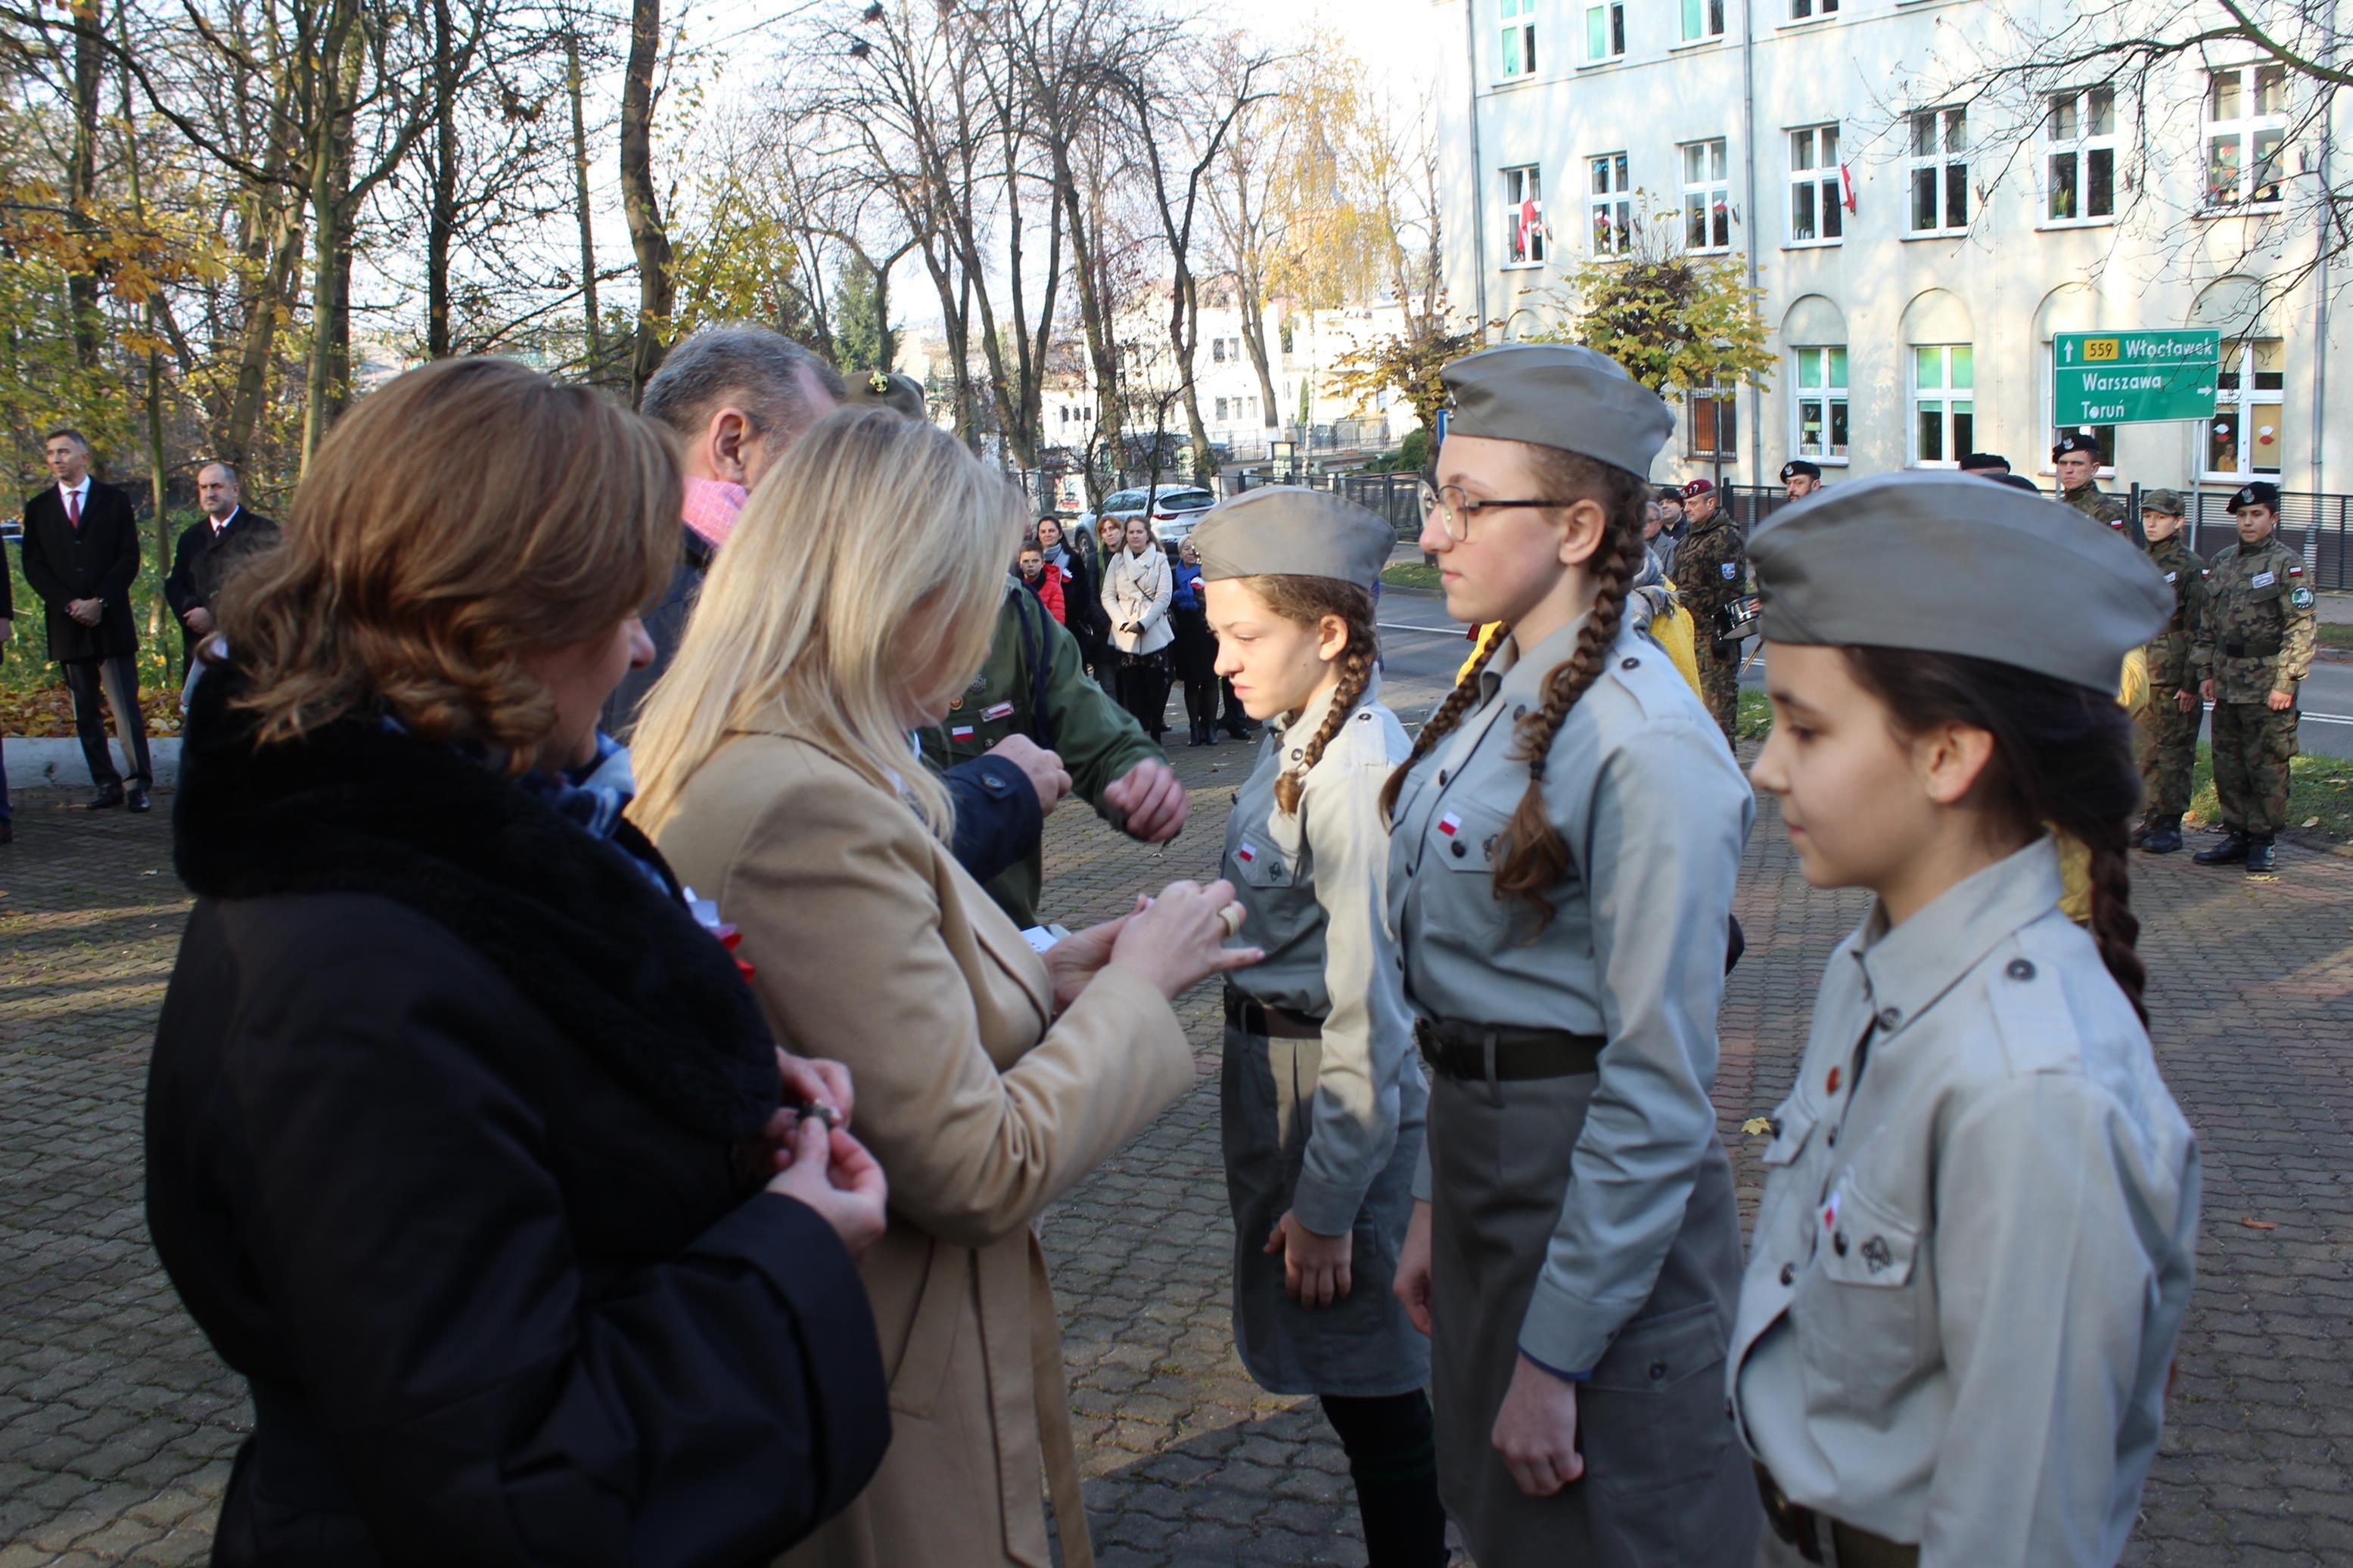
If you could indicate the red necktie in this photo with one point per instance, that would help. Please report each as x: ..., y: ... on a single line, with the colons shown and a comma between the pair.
x: 73, y: 509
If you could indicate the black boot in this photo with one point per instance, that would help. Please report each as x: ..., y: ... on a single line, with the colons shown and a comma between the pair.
x: 2164, y: 836
x: 2230, y: 852
x: 1200, y: 733
x: 2259, y: 856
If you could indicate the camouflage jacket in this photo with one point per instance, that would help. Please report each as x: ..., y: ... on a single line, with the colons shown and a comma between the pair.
x: 2096, y: 504
x: 2256, y: 635
x: 2169, y: 661
x: 1711, y: 569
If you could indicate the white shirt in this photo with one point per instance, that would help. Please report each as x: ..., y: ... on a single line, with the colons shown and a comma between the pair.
x: 220, y: 524
x: 76, y: 497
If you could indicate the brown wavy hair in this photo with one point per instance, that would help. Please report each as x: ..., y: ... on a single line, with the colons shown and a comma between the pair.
x: 1530, y: 856
x: 469, y: 514
x: 1305, y: 601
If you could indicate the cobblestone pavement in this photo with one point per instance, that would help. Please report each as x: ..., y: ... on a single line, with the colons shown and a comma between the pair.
x: 117, y: 1425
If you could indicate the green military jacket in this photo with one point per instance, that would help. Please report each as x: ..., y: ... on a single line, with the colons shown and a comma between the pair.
x: 1710, y: 570
x: 2255, y: 637
x: 2096, y: 504
x: 2169, y: 652
x: 1035, y: 684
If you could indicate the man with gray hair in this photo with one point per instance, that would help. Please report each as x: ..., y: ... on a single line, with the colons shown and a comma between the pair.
x: 737, y: 396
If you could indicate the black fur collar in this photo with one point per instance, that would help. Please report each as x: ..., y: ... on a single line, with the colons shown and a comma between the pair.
x: 359, y: 808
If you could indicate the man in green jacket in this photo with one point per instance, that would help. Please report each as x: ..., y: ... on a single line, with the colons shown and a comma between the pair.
x: 2254, y: 645
x: 1035, y: 685
x: 2167, y: 727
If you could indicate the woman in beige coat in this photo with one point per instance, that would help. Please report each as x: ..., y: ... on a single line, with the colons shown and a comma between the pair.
x: 853, y: 603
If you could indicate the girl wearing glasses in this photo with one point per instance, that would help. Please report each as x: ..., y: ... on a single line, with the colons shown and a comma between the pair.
x: 1566, y: 819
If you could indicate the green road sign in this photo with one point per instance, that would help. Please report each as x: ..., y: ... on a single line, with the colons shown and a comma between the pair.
x: 2133, y: 378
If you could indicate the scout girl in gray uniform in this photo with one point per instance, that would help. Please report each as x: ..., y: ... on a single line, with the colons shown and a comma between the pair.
x: 1567, y: 830
x: 1974, y: 1249
x: 1323, y: 1103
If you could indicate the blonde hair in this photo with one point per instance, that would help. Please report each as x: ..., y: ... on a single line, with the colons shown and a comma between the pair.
x: 874, y: 549
x: 465, y: 516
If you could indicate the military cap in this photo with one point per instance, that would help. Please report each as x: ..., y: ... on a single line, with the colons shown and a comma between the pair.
x: 1699, y: 488
x: 2260, y: 493
x: 1947, y: 563
x: 889, y: 389
x: 1289, y: 531
x: 2015, y: 481
x: 2167, y: 501
x: 1796, y: 466
x: 2076, y: 441
x: 1979, y: 462
x: 1558, y: 395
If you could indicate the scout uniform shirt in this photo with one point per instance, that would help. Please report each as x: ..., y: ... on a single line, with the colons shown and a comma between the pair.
x: 1979, y: 1134
x: 2170, y: 661
x: 1316, y: 886
x: 1636, y: 761
x: 2257, y: 633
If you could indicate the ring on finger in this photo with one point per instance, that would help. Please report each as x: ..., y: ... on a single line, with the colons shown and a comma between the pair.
x: 1232, y: 915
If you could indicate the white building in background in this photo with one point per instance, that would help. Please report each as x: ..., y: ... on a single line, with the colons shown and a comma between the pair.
x: 1911, y: 289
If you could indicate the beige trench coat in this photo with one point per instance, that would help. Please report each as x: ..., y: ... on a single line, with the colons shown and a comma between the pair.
x: 872, y: 946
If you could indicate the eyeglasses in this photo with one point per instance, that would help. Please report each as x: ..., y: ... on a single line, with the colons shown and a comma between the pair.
x: 1455, y: 509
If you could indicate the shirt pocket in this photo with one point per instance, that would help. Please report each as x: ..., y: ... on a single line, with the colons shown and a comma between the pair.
x: 1865, y: 1314
x: 1465, y: 843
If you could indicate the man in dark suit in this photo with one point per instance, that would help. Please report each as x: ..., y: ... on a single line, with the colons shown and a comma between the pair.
x: 81, y: 555
x: 207, y: 549
x: 7, y: 630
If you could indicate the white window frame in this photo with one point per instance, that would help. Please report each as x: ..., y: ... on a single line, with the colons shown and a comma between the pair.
x: 2244, y: 133
x: 1945, y: 161
x: 1698, y: 21
x: 1711, y: 189
x: 1521, y: 183
x: 1222, y: 411
x: 1605, y: 23
x: 2077, y: 112
x: 1957, y: 446
x: 1726, y: 400
x: 2243, y: 399
x: 1814, y: 171
x: 1812, y: 10
x: 1830, y: 391
x: 1609, y: 201
x: 1516, y: 39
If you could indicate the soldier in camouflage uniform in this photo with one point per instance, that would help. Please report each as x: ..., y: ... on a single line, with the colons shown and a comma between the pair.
x: 1035, y: 684
x: 2255, y: 643
x: 2078, y: 458
x: 1710, y: 571
x: 2167, y: 728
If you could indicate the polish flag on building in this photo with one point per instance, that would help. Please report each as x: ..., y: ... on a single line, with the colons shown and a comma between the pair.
x: 1846, y: 187
x: 1531, y: 223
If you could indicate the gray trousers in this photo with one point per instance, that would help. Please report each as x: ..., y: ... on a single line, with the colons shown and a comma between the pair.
x: 1666, y: 1482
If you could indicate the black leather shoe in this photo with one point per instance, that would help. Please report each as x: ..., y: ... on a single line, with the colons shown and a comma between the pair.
x: 2230, y: 852
x: 105, y: 799
x: 2164, y: 836
x: 136, y: 799
x: 2259, y: 858
x: 1240, y: 731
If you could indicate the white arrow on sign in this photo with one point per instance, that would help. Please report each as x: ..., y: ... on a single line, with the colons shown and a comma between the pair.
x: 2071, y: 353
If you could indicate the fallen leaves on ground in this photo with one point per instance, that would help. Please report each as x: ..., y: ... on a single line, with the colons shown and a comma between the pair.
x: 1756, y: 1124
x: 2258, y: 1223
x: 47, y: 712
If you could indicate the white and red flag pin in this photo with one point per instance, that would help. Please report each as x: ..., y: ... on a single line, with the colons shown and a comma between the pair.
x: 1450, y: 824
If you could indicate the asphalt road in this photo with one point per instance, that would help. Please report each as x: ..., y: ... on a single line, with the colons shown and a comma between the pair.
x: 1422, y: 648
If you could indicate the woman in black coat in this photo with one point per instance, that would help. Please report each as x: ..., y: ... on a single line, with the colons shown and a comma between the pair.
x: 465, y: 1143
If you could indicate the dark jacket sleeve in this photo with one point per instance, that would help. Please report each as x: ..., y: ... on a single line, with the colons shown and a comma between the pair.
x: 7, y: 588
x: 712, y: 1406
x: 1098, y: 740
x: 124, y: 570
x: 180, y: 587
x: 997, y: 820
x: 39, y: 575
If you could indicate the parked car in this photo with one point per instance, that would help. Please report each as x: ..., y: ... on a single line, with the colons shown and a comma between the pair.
x: 1175, y: 510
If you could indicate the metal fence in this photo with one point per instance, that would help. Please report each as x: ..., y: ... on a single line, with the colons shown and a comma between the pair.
x: 1392, y: 496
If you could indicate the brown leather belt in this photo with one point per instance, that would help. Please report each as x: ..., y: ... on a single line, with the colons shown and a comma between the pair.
x: 1819, y: 1538
x: 1270, y: 1022
x: 1476, y: 1054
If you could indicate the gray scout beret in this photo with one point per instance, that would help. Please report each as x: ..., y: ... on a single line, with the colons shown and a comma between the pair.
x: 2167, y: 501
x: 1948, y: 563
x: 1558, y: 396
x: 1289, y: 531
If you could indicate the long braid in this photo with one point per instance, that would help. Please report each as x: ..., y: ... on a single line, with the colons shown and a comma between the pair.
x: 1440, y: 724
x: 1306, y: 601
x: 1356, y: 673
x: 2114, y: 927
x: 1530, y: 856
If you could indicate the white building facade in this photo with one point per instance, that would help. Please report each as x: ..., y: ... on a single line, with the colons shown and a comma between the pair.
x: 1914, y: 258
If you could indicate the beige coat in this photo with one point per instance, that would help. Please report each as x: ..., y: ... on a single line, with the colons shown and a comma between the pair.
x: 873, y: 947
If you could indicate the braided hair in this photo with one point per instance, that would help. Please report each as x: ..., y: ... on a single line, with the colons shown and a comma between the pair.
x: 1306, y: 601
x: 1530, y: 854
x: 2063, y: 755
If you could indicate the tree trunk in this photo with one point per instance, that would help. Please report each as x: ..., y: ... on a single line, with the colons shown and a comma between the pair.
x: 639, y: 203
x: 259, y: 339
x: 1253, y: 314
x: 1188, y: 315
x: 81, y: 179
x: 154, y: 359
x: 1094, y: 319
x: 442, y: 221
x: 596, y: 340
